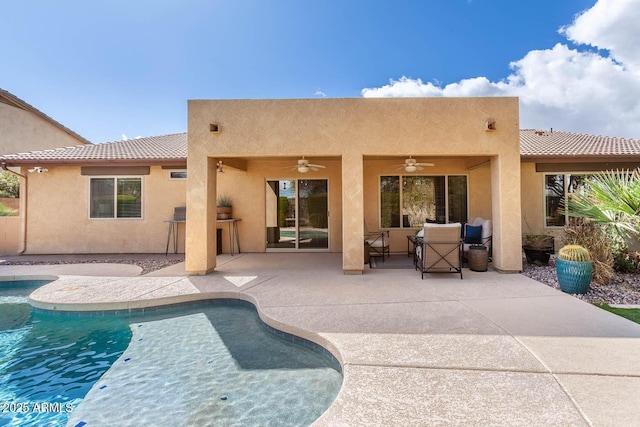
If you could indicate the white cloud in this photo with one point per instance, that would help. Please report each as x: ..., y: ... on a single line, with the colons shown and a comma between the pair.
x: 561, y: 87
x: 320, y: 94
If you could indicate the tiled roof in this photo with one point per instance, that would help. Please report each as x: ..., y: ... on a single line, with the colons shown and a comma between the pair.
x: 173, y: 147
x: 154, y: 148
x: 9, y: 98
x: 539, y: 143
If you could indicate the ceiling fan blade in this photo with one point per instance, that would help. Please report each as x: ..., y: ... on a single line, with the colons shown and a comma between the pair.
x: 425, y: 164
x: 311, y: 165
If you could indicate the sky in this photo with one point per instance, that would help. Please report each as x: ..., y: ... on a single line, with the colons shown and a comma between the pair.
x: 110, y: 69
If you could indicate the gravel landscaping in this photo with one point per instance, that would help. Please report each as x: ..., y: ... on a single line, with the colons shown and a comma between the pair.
x: 623, y: 289
x: 147, y: 264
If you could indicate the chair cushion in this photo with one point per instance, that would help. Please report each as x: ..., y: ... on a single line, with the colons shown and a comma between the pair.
x: 473, y: 234
x: 487, y: 229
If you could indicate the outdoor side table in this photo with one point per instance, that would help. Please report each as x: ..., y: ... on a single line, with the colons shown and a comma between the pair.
x: 173, y: 232
x: 478, y: 257
x: 234, y: 236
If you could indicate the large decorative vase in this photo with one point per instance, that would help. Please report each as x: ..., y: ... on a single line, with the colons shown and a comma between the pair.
x: 574, y: 277
x: 478, y: 258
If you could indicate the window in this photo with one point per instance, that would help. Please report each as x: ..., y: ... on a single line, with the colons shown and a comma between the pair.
x: 417, y: 199
x: 178, y: 175
x: 556, y: 188
x: 115, y: 198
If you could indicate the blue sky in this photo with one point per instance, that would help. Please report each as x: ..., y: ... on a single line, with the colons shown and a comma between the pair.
x: 108, y: 68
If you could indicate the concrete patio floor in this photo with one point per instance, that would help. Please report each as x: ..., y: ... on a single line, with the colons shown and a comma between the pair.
x: 491, y: 349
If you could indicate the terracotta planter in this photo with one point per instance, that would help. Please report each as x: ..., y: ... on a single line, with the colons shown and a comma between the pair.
x: 224, y: 212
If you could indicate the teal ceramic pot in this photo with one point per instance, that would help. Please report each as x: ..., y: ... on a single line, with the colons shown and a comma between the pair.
x: 574, y: 277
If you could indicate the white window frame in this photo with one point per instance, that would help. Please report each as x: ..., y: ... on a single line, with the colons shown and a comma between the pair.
x: 401, y: 176
x: 115, y: 201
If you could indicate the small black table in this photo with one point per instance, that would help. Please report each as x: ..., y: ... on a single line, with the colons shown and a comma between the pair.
x: 412, y: 243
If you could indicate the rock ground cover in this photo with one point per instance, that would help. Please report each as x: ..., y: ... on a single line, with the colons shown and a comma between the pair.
x: 623, y: 289
x: 147, y: 264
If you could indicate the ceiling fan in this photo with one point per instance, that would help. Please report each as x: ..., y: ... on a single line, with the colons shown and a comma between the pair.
x: 412, y: 165
x: 303, y: 166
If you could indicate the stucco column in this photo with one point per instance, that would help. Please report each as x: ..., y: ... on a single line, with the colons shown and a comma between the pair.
x: 352, y: 213
x: 200, y: 250
x: 506, y: 208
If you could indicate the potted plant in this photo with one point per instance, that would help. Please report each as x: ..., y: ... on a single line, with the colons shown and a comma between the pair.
x: 538, y: 248
x: 574, y: 269
x: 224, y: 209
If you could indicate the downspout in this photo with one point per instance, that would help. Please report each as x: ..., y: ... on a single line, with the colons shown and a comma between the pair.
x: 23, y: 207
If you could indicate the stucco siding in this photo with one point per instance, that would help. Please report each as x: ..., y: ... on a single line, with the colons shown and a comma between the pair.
x: 22, y: 131
x: 9, y: 234
x: 452, y: 131
x: 58, y: 215
x: 247, y: 189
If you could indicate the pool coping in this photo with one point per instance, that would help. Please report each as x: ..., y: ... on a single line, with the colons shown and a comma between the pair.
x: 389, y: 369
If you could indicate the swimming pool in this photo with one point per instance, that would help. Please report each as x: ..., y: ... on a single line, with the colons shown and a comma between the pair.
x: 213, y: 363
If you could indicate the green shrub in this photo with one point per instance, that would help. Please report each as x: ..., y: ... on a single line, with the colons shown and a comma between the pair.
x: 224, y: 201
x: 626, y: 262
x: 7, y: 211
x: 598, y: 242
x: 9, y: 185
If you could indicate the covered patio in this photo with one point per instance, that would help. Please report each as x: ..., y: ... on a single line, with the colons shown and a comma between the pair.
x: 359, y: 145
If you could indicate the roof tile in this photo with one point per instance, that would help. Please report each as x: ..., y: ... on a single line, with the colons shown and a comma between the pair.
x: 538, y: 143
x: 164, y: 147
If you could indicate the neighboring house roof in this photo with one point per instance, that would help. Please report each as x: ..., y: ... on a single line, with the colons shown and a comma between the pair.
x: 165, y: 149
x: 553, y: 144
x: 9, y: 98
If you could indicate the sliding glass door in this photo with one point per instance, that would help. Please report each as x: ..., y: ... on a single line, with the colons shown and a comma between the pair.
x: 297, y: 214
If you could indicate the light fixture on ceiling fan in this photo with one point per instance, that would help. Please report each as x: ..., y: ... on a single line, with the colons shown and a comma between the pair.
x: 412, y: 165
x: 303, y: 166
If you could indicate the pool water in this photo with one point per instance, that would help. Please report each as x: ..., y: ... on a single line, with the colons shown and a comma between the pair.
x: 213, y: 363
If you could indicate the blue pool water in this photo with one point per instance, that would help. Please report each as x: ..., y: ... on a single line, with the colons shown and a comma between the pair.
x: 213, y: 363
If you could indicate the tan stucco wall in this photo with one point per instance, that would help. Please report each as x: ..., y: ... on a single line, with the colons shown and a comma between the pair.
x: 58, y: 215
x: 533, y: 214
x: 247, y: 189
x: 532, y: 184
x: 9, y: 234
x: 22, y: 131
x: 352, y: 129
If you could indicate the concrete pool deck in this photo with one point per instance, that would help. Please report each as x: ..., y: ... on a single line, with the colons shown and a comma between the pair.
x: 491, y: 349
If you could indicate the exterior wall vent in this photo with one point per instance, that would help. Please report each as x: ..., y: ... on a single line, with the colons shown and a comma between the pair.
x: 214, y: 128
x: 490, y: 125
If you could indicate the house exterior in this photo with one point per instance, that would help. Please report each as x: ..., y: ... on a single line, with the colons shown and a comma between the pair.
x: 555, y: 164
x: 312, y: 175
x: 24, y: 128
x: 360, y: 142
x: 102, y: 198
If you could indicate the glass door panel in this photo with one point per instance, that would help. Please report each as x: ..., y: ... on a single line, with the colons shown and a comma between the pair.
x: 281, y: 214
x: 297, y: 214
x: 313, y: 218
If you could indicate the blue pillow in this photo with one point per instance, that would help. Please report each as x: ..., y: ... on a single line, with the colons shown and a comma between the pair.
x: 473, y: 234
